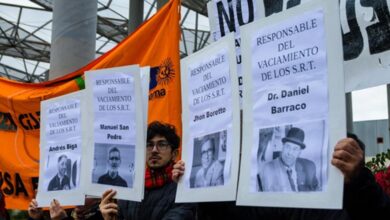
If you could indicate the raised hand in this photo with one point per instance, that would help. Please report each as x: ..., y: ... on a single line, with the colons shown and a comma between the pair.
x: 33, y: 211
x: 348, y: 158
x: 108, y: 207
x: 178, y: 170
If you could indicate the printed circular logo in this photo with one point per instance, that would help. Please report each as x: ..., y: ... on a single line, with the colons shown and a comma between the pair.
x: 166, y: 72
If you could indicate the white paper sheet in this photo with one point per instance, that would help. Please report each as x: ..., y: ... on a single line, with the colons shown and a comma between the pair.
x: 210, y: 124
x: 116, y: 144
x: 61, y: 151
x: 289, y: 62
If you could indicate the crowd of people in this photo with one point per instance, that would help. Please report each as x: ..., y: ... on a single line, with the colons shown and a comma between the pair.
x: 363, y: 197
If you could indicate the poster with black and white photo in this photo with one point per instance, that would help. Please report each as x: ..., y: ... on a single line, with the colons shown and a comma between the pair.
x: 116, y: 143
x: 291, y: 118
x: 60, y: 151
x: 211, y: 131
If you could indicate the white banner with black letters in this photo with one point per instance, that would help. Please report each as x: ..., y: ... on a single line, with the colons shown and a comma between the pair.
x: 210, y: 124
x: 364, y: 24
x: 290, y: 114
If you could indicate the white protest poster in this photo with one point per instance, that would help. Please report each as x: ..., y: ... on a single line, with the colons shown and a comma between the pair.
x: 226, y: 16
x: 61, y: 151
x: 211, y: 124
x: 115, y: 146
x: 293, y: 111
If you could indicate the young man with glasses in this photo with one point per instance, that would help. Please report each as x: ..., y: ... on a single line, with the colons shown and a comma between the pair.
x: 159, y: 197
x: 112, y: 176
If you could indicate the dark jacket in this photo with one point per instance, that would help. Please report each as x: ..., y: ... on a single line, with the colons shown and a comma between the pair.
x: 365, y: 199
x: 108, y: 180
x: 56, y: 184
x: 229, y: 211
x: 158, y: 204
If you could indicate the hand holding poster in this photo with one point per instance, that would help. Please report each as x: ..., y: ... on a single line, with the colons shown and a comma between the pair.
x: 60, y: 150
x: 210, y: 124
x: 290, y: 114
x: 115, y: 141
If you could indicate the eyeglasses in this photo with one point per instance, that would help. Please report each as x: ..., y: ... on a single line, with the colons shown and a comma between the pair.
x: 207, y: 152
x: 114, y: 158
x: 160, y: 145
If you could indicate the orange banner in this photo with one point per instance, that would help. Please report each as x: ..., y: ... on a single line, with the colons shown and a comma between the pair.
x: 155, y: 44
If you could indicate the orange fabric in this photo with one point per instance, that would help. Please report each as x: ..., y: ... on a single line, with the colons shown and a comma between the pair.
x: 155, y: 44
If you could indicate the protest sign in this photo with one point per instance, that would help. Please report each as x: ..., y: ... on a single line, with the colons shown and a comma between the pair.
x: 211, y: 124
x: 291, y: 118
x: 60, y: 150
x: 115, y: 145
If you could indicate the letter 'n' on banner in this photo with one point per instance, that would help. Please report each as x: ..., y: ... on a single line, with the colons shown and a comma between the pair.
x: 115, y: 133
x: 293, y: 108
x: 61, y: 151
x: 211, y: 124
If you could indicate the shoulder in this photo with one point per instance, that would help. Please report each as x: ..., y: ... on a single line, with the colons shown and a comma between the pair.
x: 217, y: 165
x: 122, y: 181
x: 53, y: 179
x: 102, y: 177
x: 272, y: 164
x: 305, y: 162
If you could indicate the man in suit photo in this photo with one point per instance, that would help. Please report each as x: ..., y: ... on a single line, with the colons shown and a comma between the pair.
x: 289, y: 172
x: 60, y: 181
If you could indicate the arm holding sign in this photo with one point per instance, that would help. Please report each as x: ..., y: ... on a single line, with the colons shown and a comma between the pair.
x: 362, y: 195
x: 108, y: 207
x: 33, y: 211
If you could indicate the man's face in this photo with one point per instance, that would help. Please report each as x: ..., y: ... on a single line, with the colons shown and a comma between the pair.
x: 159, y: 152
x: 62, y: 166
x: 207, y: 154
x: 114, y: 160
x: 290, y: 153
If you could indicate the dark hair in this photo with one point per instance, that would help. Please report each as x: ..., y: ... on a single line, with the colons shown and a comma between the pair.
x: 208, y: 138
x: 113, y: 149
x: 166, y: 130
x: 62, y: 156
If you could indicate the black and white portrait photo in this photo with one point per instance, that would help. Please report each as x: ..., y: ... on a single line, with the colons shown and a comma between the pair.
x: 208, y: 160
x: 114, y: 165
x: 290, y: 158
x: 62, y: 172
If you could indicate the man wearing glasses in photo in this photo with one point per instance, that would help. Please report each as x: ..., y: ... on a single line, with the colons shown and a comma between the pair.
x: 112, y: 176
x: 159, y: 197
x: 211, y: 172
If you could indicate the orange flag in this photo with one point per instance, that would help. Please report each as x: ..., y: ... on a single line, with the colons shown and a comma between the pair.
x: 155, y: 44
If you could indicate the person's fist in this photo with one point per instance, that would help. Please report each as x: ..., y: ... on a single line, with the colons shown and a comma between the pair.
x: 33, y: 211
x: 178, y: 170
x: 348, y: 158
x: 108, y: 207
x: 56, y: 211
